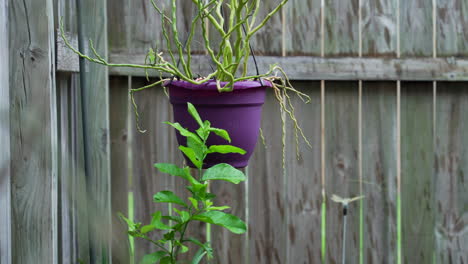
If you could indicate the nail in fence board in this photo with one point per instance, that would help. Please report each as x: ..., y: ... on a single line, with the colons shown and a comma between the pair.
x: 341, y: 174
x: 303, y: 178
x: 450, y: 180
x: 417, y: 175
x: 379, y: 141
x: 33, y: 134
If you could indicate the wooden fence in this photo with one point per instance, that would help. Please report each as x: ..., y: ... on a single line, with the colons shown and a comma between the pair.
x: 388, y: 82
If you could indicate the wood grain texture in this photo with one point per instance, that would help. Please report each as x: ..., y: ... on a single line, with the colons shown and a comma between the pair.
x: 416, y: 30
x: 145, y: 26
x: 341, y: 135
x: 96, y: 98
x: 33, y: 135
x: 452, y: 32
x: 302, y: 19
x: 451, y: 159
x: 267, y: 193
x: 149, y: 148
x: 229, y: 248
x: 268, y: 40
x: 341, y: 28
x: 304, y: 186
x: 379, y: 137
x: 119, y: 23
x: 119, y: 113
x: 417, y: 176
x: 379, y: 28
x: 5, y: 157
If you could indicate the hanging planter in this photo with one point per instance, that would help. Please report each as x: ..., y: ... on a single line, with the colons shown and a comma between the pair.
x: 238, y: 111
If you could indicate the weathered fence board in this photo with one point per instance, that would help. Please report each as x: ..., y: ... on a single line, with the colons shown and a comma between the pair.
x: 303, y: 173
x: 268, y: 40
x: 119, y: 134
x: 303, y: 22
x: 341, y: 135
x: 147, y: 149
x: 341, y: 28
x: 452, y: 33
x: 450, y: 183
x: 34, y: 133
x: 97, y: 151
x: 379, y: 136
x: 267, y: 204
x: 5, y: 158
x: 416, y: 30
x: 379, y: 28
x: 417, y: 176
x: 229, y: 248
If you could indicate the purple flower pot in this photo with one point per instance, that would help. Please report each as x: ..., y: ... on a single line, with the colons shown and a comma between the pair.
x: 239, y: 112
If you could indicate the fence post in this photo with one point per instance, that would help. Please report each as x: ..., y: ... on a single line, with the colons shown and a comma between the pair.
x: 5, y: 210
x: 33, y: 131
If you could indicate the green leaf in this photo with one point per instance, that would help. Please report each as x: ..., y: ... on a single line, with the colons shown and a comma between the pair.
x: 198, y: 148
x: 147, y: 228
x: 195, y: 114
x: 184, y: 215
x: 198, y: 256
x: 220, y: 132
x: 169, y: 235
x: 194, y: 202
x: 174, y: 170
x: 168, y: 197
x: 157, y: 223
x: 218, y: 208
x: 166, y: 260
x: 191, y: 155
x: 153, y: 258
x: 224, y: 149
x: 228, y: 221
x: 224, y: 172
x: 184, y: 132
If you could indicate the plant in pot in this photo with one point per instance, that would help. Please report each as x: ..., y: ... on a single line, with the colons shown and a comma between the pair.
x: 230, y: 96
x: 199, y: 206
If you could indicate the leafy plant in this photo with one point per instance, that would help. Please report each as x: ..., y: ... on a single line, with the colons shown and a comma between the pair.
x: 199, y: 206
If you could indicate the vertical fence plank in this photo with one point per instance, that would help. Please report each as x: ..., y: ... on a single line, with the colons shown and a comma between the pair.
x: 5, y: 158
x: 379, y: 27
x: 119, y: 107
x: 96, y: 86
x: 452, y: 33
x: 302, y: 19
x: 119, y: 19
x: 145, y: 25
x: 451, y: 185
x: 33, y: 134
x: 304, y: 180
x: 149, y: 148
x: 268, y: 40
x: 342, y: 167
x: 267, y: 205
x: 416, y: 31
x: 417, y: 159
x: 229, y: 248
x: 379, y: 171
x: 341, y: 28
